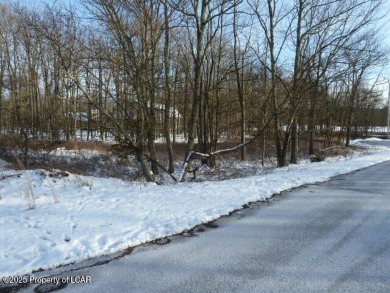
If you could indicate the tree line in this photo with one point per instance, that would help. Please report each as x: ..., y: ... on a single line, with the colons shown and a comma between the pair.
x: 204, y: 69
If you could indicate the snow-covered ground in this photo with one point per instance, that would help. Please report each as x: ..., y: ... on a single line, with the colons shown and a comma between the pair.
x: 79, y: 217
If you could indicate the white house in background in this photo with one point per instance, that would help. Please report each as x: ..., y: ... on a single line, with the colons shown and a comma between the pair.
x: 88, y: 120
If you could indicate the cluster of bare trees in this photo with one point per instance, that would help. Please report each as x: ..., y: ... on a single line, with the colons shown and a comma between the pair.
x: 206, y: 69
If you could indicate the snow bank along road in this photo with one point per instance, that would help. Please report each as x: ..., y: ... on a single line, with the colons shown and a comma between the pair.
x: 329, y: 237
x: 83, y: 217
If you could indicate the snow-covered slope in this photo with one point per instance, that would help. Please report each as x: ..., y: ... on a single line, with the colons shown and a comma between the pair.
x: 96, y: 216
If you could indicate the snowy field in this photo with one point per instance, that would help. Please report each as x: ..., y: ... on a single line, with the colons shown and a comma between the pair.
x: 79, y: 217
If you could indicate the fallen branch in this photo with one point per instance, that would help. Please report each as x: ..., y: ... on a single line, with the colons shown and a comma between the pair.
x: 9, y: 176
x: 333, y: 147
x: 196, y: 155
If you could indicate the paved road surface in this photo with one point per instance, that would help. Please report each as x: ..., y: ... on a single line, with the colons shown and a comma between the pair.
x: 331, y: 237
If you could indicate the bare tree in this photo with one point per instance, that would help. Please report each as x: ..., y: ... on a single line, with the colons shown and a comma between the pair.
x: 360, y: 57
x: 168, y: 87
x: 239, y: 69
x: 269, y: 23
x: 199, y: 15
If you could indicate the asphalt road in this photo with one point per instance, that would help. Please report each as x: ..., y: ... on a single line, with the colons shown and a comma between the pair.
x: 331, y: 237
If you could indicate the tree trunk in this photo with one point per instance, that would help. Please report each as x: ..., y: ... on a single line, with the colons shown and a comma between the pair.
x: 168, y: 93
x: 239, y: 82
